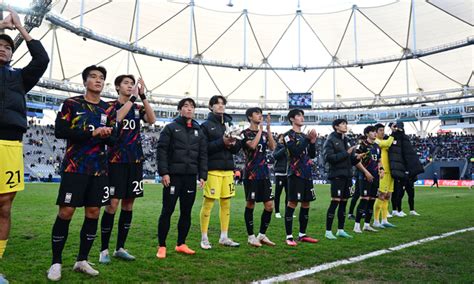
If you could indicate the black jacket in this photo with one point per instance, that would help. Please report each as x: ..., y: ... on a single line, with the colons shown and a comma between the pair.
x: 404, y: 162
x: 182, y: 150
x: 281, y: 159
x: 14, y: 85
x: 412, y: 161
x: 219, y: 157
x: 338, y: 161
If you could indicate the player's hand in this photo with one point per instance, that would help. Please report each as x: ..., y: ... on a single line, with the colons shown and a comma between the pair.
x: 105, y: 132
x: 7, y: 23
x: 141, y: 86
x: 228, y: 141
x: 360, y: 156
x: 381, y: 173
x: 350, y: 150
x: 15, y: 19
x: 202, y: 183
x: 165, y: 180
x: 135, y: 90
x: 312, y: 135
x: 369, y: 177
x: 269, y: 120
x: 100, y: 131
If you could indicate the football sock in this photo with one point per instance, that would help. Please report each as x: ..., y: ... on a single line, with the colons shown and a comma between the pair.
x: 88, y: 234
x: 265, y: 221
x: 125, y: 221
x: 369, y: 211
x: 205, y: 215
x: 3, y: 245
x: 377, y: 209
x: 341, y: 214
x: 361, y: 209
x: 289, y: 220
x: 304, y: 216
x: 224, y: 214
x: 330, y: 214
x: 106, y: 225
x: 248, y: 216
x: 58, y: 238
x: 385, y: 210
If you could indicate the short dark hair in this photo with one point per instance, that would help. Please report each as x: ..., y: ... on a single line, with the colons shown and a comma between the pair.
x: 251, y: 111
x: 294, y: 112
x: 215, y: 99
x: 120, y: 78
x: 88, y: 69
x: 368, y: 129
x: 9, y: 40
x: 183, y: 101
x: 338, y: 121
x: 378, y: 126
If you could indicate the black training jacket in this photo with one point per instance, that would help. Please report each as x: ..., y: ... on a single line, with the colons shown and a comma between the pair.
x: 219, y: 157
x: 338, y: 161
x: 15, y: 83
x: 182, y: 150
x: 281, y: 159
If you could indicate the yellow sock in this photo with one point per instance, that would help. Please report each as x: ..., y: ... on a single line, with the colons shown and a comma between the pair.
x: 205, y: 216
x: 377, y: 209
x: 384, y: 210
x: 224, y: 214
x: 3, y: 245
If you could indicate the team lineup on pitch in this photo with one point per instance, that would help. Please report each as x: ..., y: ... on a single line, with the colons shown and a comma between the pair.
x: 262, y: 213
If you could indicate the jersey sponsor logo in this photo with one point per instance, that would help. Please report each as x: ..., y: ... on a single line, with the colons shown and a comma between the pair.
x: 68, y: 197
x: 213, y: 128
x: 80, y: 112
x: 196, y: 132
x: 12, y: 186
x: 177, y: 130
x: 190, y: 191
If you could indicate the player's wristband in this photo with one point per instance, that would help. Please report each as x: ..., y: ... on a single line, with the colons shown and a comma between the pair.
x: 133, y: 99
x: 142, y: 97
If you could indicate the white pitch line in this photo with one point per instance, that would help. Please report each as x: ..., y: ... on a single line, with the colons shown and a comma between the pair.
x: 329, y: 265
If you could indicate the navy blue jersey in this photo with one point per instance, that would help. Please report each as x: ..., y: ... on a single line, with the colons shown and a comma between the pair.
x: 88, y: 157
x: 256, y: 166
x: 300, y: 154
x: 128, y: 148
x: 372, y: 158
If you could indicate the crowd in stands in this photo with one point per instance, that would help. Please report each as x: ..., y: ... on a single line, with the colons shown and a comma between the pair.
x: 43, y: 152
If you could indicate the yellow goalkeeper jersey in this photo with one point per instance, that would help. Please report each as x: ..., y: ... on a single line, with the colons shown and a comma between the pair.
x: 384, y: 145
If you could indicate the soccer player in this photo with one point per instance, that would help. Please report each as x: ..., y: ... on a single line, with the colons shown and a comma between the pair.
x: 182, y: 159
x: 281, y: 173
x: 219, y: 185
x: 86, y: 122
x: 257, y: 185
x: 337, y: 153
x: 301, y: 149
x: 125, y: 163
x: 370, y: 171
x: 386, y: 182
x: 435, y: 180
x: 13, y: 121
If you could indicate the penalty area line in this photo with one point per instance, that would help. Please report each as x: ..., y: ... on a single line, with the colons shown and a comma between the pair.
x: 329, y: 265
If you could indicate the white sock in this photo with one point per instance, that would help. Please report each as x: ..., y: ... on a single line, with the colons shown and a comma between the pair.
x: 340, y: 230
x: 260, y: 235
x: 204, y: 237
x: 289, y: 237
x: 376, y: 222
x: 357, y: 226
x: 301, y: 235
x: 224, y: 235
x: 366, y: 225
x: 328, y: 232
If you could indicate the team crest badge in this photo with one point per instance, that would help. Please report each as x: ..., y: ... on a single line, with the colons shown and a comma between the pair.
x: 196, y: 132
x: 213, y: 191
x: 68, y: 197
x: 103, y: 119
x: 112, y: 190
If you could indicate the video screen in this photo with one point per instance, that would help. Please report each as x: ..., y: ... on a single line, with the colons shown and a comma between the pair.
x: 300, y: 100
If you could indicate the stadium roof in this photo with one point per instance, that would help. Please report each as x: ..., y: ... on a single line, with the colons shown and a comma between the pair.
x: 252, y: 51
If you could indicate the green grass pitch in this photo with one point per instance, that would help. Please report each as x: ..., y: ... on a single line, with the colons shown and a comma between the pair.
x: 28, y: 253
